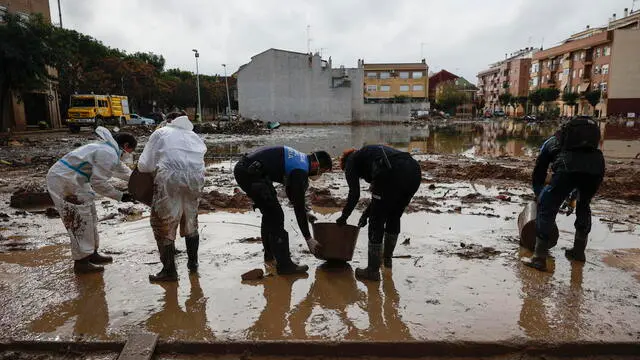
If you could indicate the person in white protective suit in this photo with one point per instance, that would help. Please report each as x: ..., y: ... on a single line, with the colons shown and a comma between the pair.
x: 174, y: 154
x: 74, y: 182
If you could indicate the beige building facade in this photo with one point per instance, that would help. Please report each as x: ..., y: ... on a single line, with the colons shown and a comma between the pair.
x: 383, y: 82
x: 23, y: 111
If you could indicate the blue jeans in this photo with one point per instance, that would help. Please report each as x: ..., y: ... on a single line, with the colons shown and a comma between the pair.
x: 553, y: 195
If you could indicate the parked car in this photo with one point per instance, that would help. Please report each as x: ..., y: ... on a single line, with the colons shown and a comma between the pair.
x: 499, y: 113
x: 139, y: 120
x: 158, y: 117
x: 530, y: 118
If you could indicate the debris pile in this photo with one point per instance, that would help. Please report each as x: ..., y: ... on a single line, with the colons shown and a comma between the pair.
x: 243, y: 127
x: 31, y: 195
x: 323, y: 198
x: 216, y: 200
x: 621, y: 183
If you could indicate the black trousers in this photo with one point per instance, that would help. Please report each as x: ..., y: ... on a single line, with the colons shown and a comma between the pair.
x: 391, y: 193
x: 275, y: 238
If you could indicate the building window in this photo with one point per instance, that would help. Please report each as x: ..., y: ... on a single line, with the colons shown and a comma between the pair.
x: 417, y: 75
x: 372, y: 75
x: 603, y: 87
x: 582, y: 55
x: 574, y: 74
x: 404, y: 87
x: 535, y: 68
x: 418, y: 87
x: 605, y: 69
x: 576, y: 56
x: 372, y: 88
x: 404, y: 75
x: 596, y: 69
x: 535, y: 81
x: 385, y: 75
x: 607, y: 51
x: 598, y: 52
x: 385, y: 88
x: 580, y: 74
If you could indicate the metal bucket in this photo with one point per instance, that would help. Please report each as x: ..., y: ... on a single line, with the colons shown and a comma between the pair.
x: 141, y: 186
x: 527, y: 227
x: 338, y: 242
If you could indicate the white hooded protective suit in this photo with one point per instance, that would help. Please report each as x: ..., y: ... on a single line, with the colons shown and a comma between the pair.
x: 175, y: 155
x: 73, y: 182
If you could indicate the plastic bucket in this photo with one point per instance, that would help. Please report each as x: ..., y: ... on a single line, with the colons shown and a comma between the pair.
x: 338, y: 242
x: 527, y: 227
x: 141, y: 186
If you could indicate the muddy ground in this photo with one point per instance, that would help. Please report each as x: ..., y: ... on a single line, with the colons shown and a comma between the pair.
x: 456, y: 269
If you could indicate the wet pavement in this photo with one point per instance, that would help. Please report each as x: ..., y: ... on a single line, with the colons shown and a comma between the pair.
x: 457, y: 274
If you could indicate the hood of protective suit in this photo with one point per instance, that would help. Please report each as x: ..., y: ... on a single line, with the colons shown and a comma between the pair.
x: 105, y: 135
x: 181, y: 122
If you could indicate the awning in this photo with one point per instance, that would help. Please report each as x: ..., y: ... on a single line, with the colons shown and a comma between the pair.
x: 583, y: 87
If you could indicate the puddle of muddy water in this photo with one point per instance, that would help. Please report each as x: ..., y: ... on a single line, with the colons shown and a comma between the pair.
x: 431, y: 293
x: 479, y: 138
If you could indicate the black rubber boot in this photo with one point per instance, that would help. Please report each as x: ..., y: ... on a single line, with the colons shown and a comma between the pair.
x: 100, y: 259
x: 372, y: 271
x: 579, y: 245
x: 539, y: 259
x: 84, y: 266
x: 192, y: 243
x: 390, y: 241
x: 168, y: 272
x: 284, y: 264
x: 264, y: 236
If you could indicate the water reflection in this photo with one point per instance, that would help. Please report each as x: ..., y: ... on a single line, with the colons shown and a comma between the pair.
x: 172, y: 321
x: 551, y: 311
x: 89, y: 308
x: 481, y: 138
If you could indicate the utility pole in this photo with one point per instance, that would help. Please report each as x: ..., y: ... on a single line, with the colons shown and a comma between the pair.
x: 308, y: 39
x: 60, y: 14
x: 226, y: 84
x: 199, y: 111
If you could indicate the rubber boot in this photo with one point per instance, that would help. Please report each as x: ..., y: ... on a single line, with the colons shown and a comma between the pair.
x: 284, y: 264
x: 168, y: 272
x: 100, y: 259
x: 579, y: 245
x: 84, y: 266
x: 192, y: 243
x: 372, y: 271
x: 539, y: 259
x: 390, y: 241
x: 268, y: 255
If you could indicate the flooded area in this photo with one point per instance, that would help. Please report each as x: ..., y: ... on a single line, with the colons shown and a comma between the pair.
x: 456, y: 274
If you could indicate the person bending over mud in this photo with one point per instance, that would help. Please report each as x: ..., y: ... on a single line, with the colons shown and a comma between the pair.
x: 74, y: 182
x: 394, y: 177
x: 255, y: 174
x: 174, y: 155
x: 577, y: 163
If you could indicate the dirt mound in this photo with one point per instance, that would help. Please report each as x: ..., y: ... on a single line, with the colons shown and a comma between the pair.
x: 323, y: 198
x: 473, y: 171
x: 626, y: 187
x: 217, y: 200
x: 244, y: 127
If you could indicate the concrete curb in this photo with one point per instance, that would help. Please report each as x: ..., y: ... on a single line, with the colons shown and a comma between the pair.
x: 400, y: 349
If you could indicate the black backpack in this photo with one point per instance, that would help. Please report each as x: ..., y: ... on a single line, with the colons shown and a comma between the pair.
x: 580, y: 133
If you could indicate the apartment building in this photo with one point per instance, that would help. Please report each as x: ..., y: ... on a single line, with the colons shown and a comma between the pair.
x: 383, y: 82
x: 29, y: 109
x: 507, y: 76
x: 605, y: 58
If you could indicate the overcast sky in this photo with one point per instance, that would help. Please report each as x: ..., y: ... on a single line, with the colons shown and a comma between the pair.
x: 462, y: 36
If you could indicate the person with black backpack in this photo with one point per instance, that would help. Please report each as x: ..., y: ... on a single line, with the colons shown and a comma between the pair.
x: 577, y: 163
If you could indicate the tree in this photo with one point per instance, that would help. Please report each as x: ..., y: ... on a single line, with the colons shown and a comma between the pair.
x: 522, y: 100
x: 571, y: 99
x: 536, y: 98
x: 26, y: 56
x: 549, y: 95
x: 450, y: 97
x: 505, y: 99
x: 593, y: 98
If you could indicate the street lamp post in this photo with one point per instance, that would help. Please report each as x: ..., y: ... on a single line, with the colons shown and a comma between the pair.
x: 226, y: 84
x: 199, y: 111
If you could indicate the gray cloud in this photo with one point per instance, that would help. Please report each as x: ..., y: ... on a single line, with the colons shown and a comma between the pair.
x: 462, y: 36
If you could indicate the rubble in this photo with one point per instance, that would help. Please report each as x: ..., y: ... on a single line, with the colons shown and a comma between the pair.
x: 323, y: 198
x: 244, y: 127
x: 216, y: 200
x: 255, y: 274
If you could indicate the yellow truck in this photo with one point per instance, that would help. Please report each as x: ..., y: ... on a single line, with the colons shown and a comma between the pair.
x: 97, y: 110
